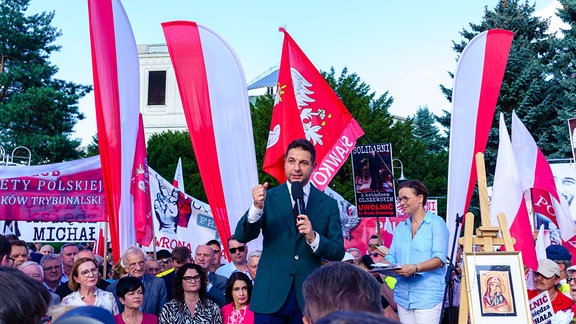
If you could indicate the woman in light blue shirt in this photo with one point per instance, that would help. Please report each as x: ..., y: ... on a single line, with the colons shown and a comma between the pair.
x: 419, y: 247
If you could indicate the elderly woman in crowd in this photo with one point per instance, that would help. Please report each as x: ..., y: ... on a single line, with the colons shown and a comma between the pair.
x: 238, y: 293
x: 130, y: 292
x: 419, y: 247
x: 191, y: 303
x: 83, y: 281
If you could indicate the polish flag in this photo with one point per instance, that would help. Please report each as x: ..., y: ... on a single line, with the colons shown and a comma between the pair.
x: 100, y: 243
x: 476, y: 87
x: 116, y: 93
x: 307, y: 107
x: 179, y: 177
x: 215, y: 100
x: 508, y: 198
x: 536, y: 173
x: 140, y: 189
x: 388, y: 233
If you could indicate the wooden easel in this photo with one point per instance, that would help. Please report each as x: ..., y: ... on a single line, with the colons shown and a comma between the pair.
x: 486, y: 234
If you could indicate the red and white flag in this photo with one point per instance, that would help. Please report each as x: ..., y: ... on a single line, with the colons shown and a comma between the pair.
x: 536, y: 173
x: 116, y: 93
x: 179, y: 177
x: 307, y: 107
x: 100, y: 243
x: 140, y: 189
x: 215, y: 100
x: 508, y: 198
x: 476, y: 87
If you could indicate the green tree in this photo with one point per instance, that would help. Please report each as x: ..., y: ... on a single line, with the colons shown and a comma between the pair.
x: 372, y: 113
x: 163, y: 151
x: 564, y: 71
x: 526, y: 87
x: 36, y: 110
x: 93, y: 148
x: 425, y: 128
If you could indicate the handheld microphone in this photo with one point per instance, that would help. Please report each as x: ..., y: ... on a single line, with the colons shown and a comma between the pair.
x: 298, y: 196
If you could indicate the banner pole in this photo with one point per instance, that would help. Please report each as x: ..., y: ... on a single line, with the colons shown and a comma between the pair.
x: 105, y: 251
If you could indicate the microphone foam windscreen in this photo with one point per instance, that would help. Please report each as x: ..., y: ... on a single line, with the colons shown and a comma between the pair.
x: 297, y: 191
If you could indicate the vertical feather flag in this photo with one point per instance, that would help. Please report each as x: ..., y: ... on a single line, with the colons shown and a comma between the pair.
x: 215, y: 101
x: 179, y: 176
x: 536, y: 173
x: 116, y: 92
x: 307, y: 107
x: 508, y: 198
x: 140, y: 190
x: 476, y: 87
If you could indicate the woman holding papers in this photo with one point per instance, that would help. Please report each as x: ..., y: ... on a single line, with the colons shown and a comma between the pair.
x: 419, y: 247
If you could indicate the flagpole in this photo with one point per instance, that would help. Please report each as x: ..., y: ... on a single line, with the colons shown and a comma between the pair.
x: 105, y: 251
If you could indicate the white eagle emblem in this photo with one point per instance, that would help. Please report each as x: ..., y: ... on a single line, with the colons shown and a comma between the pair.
x: 312, y: 118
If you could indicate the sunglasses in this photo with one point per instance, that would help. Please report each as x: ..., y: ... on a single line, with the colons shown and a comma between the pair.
x: 240, y: 249
x: 569, y: 280
x: 165, y: 261
x: 375, y: 254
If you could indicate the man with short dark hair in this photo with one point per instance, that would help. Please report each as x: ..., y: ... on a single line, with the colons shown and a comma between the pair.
x: 296, y: 236
x: 67, y: 253
x: 339, y: 286
x: 217, y: 248
x: 19, y: 253
x: 154, y: 288
x: 238, y: 252
x: 373, y: 240
x: 5, y: 248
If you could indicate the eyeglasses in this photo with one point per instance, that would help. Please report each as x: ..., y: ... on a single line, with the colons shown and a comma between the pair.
x: 86, y: 273
x: 190, y: 279
x: 569, y: 280
x: 12, y: 260
x: 404, y: 199
x: 240, y: 249
x: 52, y: 268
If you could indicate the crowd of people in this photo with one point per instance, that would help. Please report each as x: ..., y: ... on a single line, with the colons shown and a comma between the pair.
x: 302, y: 274
x: 139, y: 294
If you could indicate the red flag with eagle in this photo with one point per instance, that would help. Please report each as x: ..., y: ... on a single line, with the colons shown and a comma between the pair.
x: 307, y: 107
x: 140, y: 189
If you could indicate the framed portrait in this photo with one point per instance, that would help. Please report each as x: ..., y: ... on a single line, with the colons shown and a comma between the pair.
x: 496, y: 288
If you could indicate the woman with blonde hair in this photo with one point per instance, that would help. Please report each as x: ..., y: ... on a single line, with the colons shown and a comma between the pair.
x: 83, y: 281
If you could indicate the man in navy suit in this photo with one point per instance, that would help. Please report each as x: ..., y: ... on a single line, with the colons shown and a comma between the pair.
x: 154, y: 288
x: 294, y: 244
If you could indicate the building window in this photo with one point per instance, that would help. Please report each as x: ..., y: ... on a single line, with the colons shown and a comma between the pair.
x: 156, y: 88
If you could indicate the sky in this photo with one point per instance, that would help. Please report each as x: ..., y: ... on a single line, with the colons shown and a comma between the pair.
x: 403, y: 47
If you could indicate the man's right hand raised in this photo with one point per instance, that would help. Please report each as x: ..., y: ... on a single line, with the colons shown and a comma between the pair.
x: 259, y: 195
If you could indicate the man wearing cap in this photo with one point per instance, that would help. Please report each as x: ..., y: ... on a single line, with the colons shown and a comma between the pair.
x: 563, y: 258
x: 378, y: 253
x: 546, y: 279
